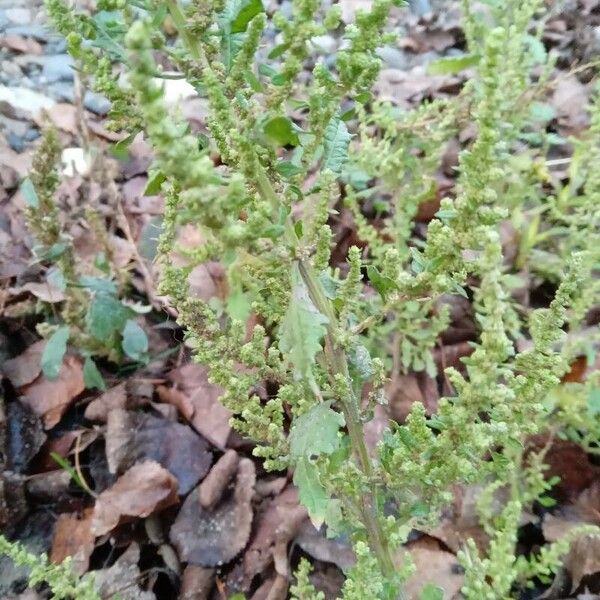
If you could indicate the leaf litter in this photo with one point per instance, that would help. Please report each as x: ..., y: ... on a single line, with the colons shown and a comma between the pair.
x: 144, y: 465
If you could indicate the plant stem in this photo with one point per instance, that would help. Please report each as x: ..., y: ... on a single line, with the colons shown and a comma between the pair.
x: 335, y: 356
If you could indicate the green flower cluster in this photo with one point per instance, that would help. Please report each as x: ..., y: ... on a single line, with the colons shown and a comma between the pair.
x: 263, y: 188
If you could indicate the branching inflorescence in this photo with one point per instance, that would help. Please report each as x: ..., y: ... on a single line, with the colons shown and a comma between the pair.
x: 324, y: 341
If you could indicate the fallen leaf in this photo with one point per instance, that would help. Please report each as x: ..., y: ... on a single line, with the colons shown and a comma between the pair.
x: 214, y: 484
x: 25, y: 436
x: 196, y: 583
x: 214, y: 537
x: 144, y: 489
x: 568, y: 461
x: 122, y: 579
x: 324, y: 549
x: 583, y: 559
x: 278, y: 523
x: 569, y: 101
x: 585, y: 509
x: 99, y: 408
x: 433, y: 565
x: 207, y: 281
x: 44, y: 291
x: 13, y: 504
x: 210, y: 417
x: 177, y: 399
x: 26, y: 367
x: 402, y: 392
x: 51, y: 399
x: 134, y: 437
x: 73, y: 537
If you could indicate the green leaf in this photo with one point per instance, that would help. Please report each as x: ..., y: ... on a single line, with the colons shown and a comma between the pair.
x: 233, y: 22
x: 56, y: 279
x: 449, y: 65
x: 121, y: 149
x: 278, y: 51
x: 594, y: 402
x: 92, y: 376
x: 316, y: 432
x: 135, y: 340
x: 98, y: 284
x: 311, y: 492
x: 54, y: 352
x: 547, y: 501
x: 431, y: 592
x: 301, y: 329
x: 29, y: 193
x: 384, y: 285
x: 244, y: 11
x: 105, y: 316
x: 287, y: 168
x: 154, y: 184
x: 335, y: 150
x: 420, y: 510
x: 68, y: 467
x: 282, y: 131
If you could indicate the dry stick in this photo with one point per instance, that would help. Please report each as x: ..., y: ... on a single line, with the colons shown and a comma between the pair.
x: 335, y: 356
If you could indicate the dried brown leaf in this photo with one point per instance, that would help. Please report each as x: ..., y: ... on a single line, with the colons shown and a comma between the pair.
x: 144, y: 489
x: 51, y: 399
x: 26, y: 367
x: 122, y: 579
x: 214, y: 537
x: 433, y: 565
x: 210, y: 417
x: 73, y: 537
x: 278, y: 523
x: 135, y: 437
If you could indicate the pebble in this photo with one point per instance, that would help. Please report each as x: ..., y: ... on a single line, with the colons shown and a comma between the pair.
x: 38, y: 32
x: 394, y: 58
x: 11, y: 68
x: 97, y: 103
x: 15, y: 142
x: 326, y: 44
x: 25, y: 100
x: 61, y: 91
x: 58, y: 67
x: 4, y: 20
x: 18, y: 16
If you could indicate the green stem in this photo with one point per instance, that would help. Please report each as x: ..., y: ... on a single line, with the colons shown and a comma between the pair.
x: 335, y: 356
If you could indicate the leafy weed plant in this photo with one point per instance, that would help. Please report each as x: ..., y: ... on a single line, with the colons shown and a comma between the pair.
x: 291, y: 152
x: 94, y: 317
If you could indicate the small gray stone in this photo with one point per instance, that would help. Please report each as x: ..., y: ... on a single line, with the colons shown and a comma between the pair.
x: 326, y: 44
x: 394, y: 58
x: 18, y: 16
x: 56, y: 45
x: 58, y: 67
x: 38, y: 32
x: 25, y: 100
x: 15, y: 142
x: 12, y: 69
x: 96, y: 103
x: 4, y: 20
x: 420, y: 7
x: 8, y: 125
x: 61, y: 91
x: 31, y: 134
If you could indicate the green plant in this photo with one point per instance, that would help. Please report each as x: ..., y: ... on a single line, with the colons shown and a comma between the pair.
x: 93, y: 317
x: 62, y: 581
x: 265, y: 212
